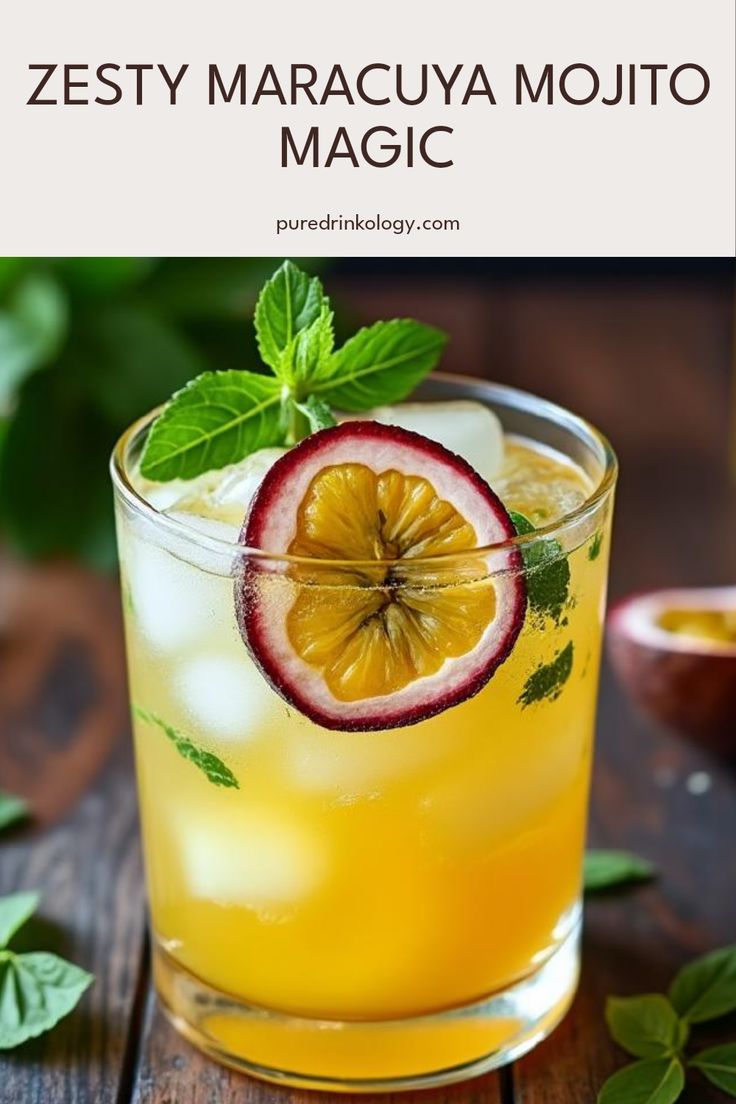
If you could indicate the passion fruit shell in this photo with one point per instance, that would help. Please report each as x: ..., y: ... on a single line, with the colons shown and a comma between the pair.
x: 684, y: 681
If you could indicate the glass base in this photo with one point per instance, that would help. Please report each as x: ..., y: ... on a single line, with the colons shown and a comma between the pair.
x: 372, y: 1056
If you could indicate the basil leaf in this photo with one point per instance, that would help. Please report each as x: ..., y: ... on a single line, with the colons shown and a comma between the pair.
x: 718, y: 1064
x: 318, y: 413
x: 645, y: 1026
x: 14, y: 911
x: 382, y: 363
x: 706, y: 988
x: 547, y: 571
x: 12, y: 809
x: 308, y: 353
x: 289, y: 302
x: 604, y: 869
x: 548, y: 679
x: 594, y: 549
x: 213, y: 767
x: 215, y: 420
x: 36, y: 991
x: 658, y: 1081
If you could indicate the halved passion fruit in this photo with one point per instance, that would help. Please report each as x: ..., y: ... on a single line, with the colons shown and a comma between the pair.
x: 371, y: 631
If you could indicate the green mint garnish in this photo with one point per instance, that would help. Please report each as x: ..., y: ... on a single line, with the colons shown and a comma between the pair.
x: 656, y: 1028
x: 596, y: 543
x: 718, y: 1064
x: 607, y: 869
x: 38, y: 989
x: 547, y: 571
x: 12, y: 810
x: 221, y: 417
x: 548, y: 679
x: 210, y: 765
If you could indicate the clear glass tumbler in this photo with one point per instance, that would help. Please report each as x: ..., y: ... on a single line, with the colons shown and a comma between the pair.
x: 369, y: 910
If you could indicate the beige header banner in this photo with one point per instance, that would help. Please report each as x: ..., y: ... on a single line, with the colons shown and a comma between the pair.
x: 401, y: 127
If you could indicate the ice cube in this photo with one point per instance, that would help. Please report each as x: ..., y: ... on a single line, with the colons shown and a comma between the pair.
x: 467, y: 428
x: 224, y: 696
x: 174, y: 603
x: 250, y: 857
x: 349, y: 767
x: 225, y: 495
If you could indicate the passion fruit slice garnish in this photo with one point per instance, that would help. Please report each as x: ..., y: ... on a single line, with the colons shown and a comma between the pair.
x: 387, y: 616
x: 675, y: 652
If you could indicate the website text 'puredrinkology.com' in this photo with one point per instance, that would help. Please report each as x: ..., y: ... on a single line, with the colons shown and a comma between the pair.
x: 366, y: 224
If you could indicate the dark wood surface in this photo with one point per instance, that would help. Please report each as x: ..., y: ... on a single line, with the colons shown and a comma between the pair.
x: 648, y: 362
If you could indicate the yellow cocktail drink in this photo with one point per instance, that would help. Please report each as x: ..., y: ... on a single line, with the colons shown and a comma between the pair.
x: 310, y: 886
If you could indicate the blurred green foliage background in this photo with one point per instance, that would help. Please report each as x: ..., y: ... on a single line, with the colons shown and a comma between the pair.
x: 87, y: 345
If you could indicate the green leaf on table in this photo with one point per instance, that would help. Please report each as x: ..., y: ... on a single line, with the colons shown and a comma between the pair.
x: 547, y: 682
x: 12, y: 809
x: 706, y: 988
x: 36, y: 991
x: 655, y: 1081
x: 382, y: 363
x: 289, y: 302
x: 547, y: 570
x: 646, y: 1026
x: 215, y: 420
x: 318, y: 413
x: 32, y: 327
x: 213, y: 767
x: 605, y: 869
x: 718, y: 1064
x: 14, y: 911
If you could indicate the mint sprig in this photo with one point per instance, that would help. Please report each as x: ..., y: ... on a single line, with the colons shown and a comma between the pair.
x: 221, y: 417
x: 547, y: 571
x: 548, y: 680
x: 211, y: 765
x: 38, y: 989
x: 656, y: 1028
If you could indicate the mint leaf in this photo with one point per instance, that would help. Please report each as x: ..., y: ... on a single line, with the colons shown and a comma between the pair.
x: 12, y: 809
x: 547, y: 571
x: 645, y: 1026
x: 215, y: 420
x: 308, y: 353
x: 209, y: 764
x: 37, y: 990
x: 14, y: 911
x: 596, y: 544
x: 658, y: 1081
x: 706, y: 988
x: 382, y: 363
x: 604, y: 869
x: 289, y: 302
x: 548, y: 679
x: 718, y: 1064
x: 318, y: 413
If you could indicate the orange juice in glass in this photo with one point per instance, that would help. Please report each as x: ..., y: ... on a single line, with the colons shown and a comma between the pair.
x: 363, y: 727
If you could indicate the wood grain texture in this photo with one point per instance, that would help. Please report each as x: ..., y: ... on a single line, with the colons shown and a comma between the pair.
x: 64, y: 745
x: 651, y: 365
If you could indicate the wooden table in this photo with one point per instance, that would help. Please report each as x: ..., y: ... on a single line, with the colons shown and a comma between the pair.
x: 647, y: 361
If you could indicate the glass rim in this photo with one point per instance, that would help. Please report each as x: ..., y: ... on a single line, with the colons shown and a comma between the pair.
x: 512, y: 396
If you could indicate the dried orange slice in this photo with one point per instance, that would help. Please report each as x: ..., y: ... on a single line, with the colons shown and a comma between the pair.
x: 390, y: 615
